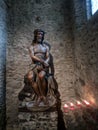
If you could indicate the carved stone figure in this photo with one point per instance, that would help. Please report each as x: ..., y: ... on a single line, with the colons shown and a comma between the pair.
x: 40, y: 85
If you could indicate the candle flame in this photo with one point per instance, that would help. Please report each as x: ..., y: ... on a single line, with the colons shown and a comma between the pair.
x: 86, y: 102
x: 71, y: 104
x: 78, y: 103
x: 65, y: 106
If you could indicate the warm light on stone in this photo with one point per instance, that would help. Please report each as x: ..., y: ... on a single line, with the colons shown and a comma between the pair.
x: 86, y: 102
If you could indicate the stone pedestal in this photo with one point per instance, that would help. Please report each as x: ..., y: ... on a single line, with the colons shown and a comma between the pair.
x: 38, y: 120
x: 39, y: 112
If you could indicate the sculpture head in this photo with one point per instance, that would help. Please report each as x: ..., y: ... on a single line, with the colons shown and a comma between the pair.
x: 38, y: 35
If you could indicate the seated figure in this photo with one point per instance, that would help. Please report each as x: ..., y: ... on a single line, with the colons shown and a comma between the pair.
x: 40, y: 81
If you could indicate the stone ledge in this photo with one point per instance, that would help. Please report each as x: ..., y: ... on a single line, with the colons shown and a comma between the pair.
x: 38, y: 120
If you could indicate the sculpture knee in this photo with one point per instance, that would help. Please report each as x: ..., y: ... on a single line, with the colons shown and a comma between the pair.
x: 30, y: 76
x: 42, y: 75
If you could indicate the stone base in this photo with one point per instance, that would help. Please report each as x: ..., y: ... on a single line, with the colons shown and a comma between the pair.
x: 38, y: 120
x: 31, y: 106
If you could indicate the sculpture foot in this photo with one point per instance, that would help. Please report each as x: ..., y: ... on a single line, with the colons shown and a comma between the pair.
x: 45, y: 100
x: 42, y: 99
x: 38, y: 101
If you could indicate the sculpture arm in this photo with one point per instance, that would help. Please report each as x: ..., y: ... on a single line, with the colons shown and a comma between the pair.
x: 51, y: 65
x: 46, y: 62
x: 33, y: 57
x: 47, y: 56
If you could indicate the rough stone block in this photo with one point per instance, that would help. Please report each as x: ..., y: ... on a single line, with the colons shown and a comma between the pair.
x: 38, y: 120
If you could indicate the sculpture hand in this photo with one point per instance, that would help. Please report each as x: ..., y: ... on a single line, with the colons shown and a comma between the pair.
x: 46, y: 64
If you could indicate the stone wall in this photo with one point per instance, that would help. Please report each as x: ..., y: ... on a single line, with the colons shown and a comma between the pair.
x: 86, y: 60
x: 53, y: 17
x: 3, y: 40
x: 86, y: 72
x: 85, y: 48
x: 74, y: 47
x: 79, y: 15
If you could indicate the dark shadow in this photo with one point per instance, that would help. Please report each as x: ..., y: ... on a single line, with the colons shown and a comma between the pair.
x: 61, y: 124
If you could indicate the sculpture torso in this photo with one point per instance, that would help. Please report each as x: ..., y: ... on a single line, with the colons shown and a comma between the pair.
x: 39, y: 50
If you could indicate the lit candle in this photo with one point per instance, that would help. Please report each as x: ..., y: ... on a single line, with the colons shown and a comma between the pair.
x: 79, y: 103
x: 86, y: 103
x: 72, y: 106
x: 66, y: 108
